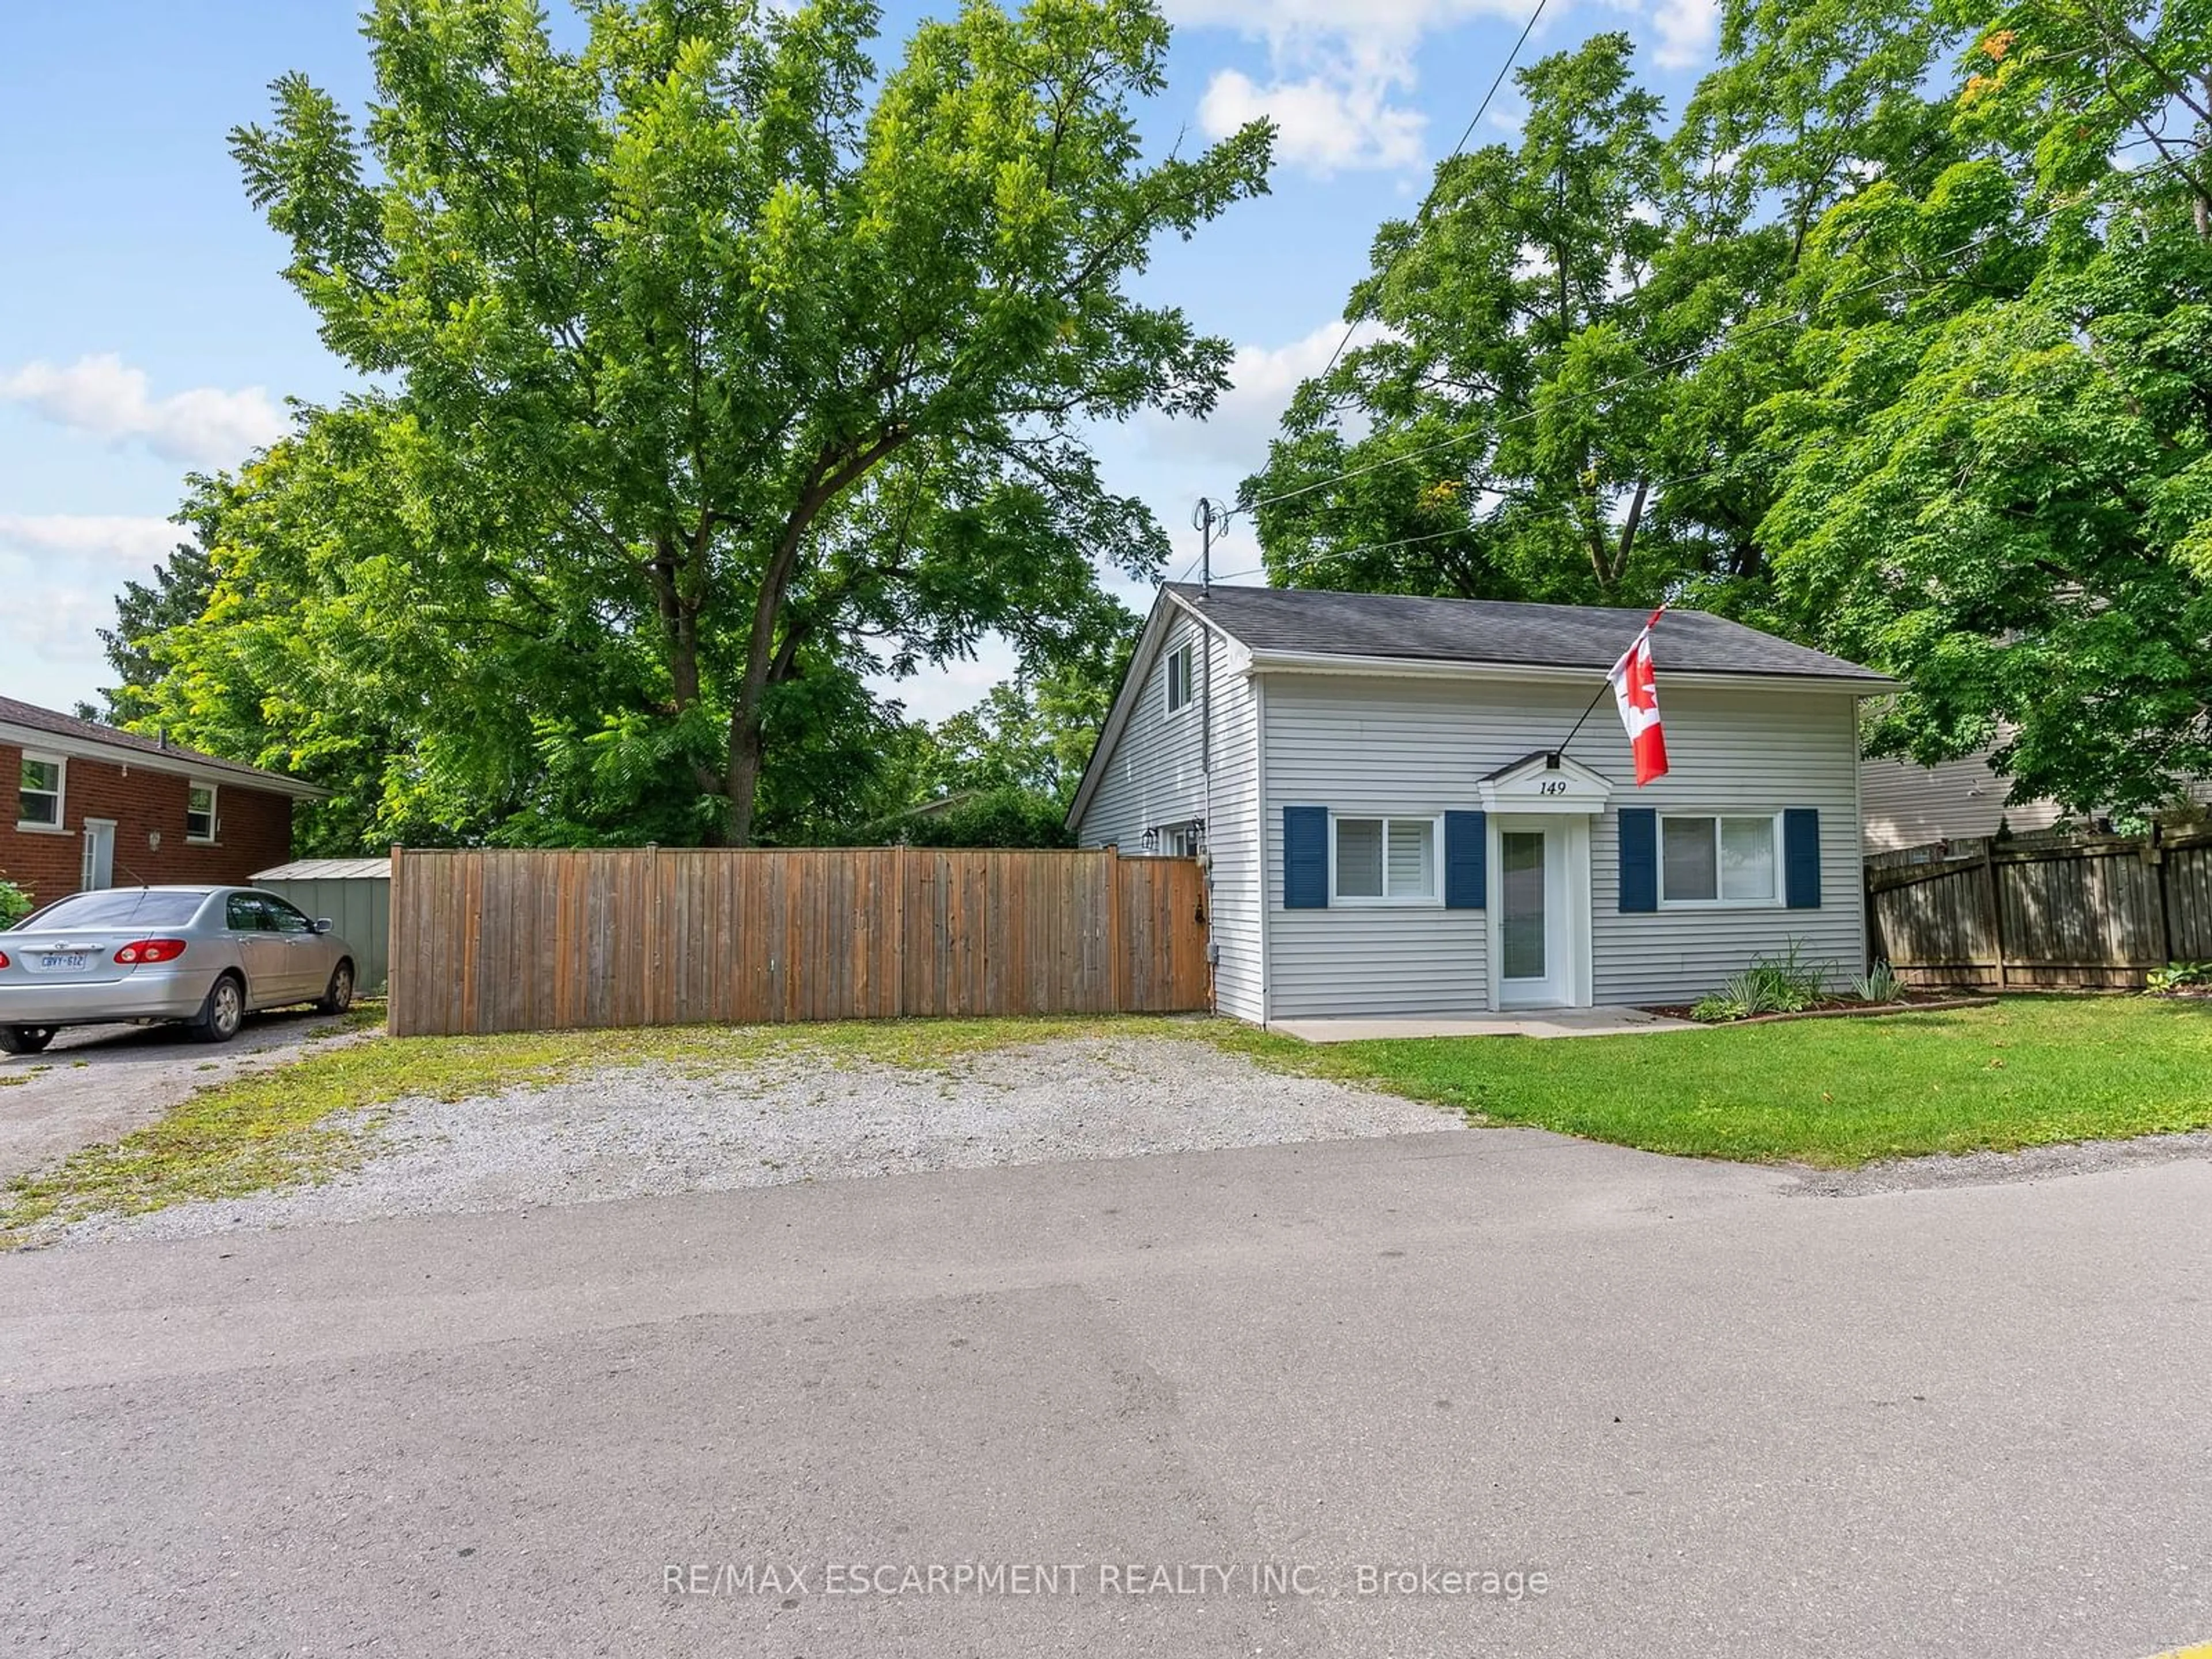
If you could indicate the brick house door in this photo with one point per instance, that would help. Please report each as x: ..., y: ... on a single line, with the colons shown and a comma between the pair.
x: 99, y: 855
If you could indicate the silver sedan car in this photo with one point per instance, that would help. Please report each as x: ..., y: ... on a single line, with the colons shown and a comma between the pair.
x: 203, y: 955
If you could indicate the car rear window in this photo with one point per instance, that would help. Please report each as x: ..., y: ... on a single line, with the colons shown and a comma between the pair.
x: 119, y: 906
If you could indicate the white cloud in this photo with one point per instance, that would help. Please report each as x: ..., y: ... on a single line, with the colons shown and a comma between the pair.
x: 61, y: 625
x: 1341, y: 74
x: 1262, y: 379
x: 105, y: 398
x: 1687, y: 29
x: 1369, y: 20
x: 68, y: 543
x: 61, y: 572
x: 1341, y: 118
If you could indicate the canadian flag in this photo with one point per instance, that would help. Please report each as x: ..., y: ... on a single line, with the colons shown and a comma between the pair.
x: 1636, y: 689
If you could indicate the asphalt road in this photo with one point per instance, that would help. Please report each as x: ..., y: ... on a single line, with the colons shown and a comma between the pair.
x: 1718, y: 1417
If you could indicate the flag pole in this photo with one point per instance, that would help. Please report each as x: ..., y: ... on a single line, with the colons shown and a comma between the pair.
x: 1604, y: 685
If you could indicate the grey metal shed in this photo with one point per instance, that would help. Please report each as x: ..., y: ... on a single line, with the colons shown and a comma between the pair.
x: 355, y: 893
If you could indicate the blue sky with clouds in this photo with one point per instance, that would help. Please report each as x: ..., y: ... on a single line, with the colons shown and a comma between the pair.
x: 145, y: 333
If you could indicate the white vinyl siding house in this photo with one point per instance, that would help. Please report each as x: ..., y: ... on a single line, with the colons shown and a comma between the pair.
x: 1733, y: 753
x: 1425, y: 816
x: 1909, y: 806
x: 1185, y: 689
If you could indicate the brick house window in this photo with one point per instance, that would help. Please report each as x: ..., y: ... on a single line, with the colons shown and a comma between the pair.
x: 199, y: 813
x: 39, y: 794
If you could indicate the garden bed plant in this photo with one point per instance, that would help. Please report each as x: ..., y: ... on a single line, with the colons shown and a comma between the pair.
x: 2181, y: 978
x: 1788, y: 987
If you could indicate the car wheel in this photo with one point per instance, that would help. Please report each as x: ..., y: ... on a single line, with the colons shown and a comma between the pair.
x: 24, y: 1039
x: 339, y: 997
x: 224, y: 1012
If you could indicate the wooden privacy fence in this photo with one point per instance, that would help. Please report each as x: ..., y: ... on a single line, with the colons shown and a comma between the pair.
x: 533, y: 941
x: 2043, y: 911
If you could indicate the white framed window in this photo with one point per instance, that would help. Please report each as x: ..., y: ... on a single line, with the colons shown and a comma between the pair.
x: 1179, y: 678
x: 1384, y: 861
x: 1720, y: 860
x: 39, y: 792
x: 199, y: 813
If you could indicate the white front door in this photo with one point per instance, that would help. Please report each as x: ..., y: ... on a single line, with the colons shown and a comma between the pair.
x: 1542, y: 865
x: 99, y: 871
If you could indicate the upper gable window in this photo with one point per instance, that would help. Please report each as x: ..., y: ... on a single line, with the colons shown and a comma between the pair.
x: 1179, y: 677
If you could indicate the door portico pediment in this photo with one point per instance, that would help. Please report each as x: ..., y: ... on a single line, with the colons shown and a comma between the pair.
x: 1546, y: 783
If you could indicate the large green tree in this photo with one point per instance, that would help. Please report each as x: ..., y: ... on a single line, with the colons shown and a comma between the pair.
x: 723, y: 369
x: 1575, y: 328
x: 1897, y: 344
x: 1442, y: 457
x: 1997, y: 481
x: 359, y: 630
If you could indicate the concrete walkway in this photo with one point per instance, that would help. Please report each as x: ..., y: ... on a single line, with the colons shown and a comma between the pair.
x: 1534, y: 1023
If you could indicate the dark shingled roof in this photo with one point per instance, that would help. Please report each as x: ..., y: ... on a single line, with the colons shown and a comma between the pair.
x: 29, y: 714
x: 1308, y: 622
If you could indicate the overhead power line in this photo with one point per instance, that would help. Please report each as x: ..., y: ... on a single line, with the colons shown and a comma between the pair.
x: 1473, y: 121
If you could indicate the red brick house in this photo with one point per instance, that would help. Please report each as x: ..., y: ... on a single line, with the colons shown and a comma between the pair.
x: 96, y: 807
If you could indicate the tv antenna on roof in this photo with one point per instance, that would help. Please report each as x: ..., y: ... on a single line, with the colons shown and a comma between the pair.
x: 1208, y: 518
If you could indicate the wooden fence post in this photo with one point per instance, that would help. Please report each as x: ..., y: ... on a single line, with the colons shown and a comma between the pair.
x: 1116, y: 933
x: 395, y: 1010
x: 1996, y: 907
x: 2155, y: 852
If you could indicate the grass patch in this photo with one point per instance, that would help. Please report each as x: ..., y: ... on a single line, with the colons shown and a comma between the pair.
x: 1833, y: 1093
x: 295, y: 1124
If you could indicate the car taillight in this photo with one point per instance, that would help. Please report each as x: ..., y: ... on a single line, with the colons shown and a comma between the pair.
x: 3, y: 958
x: 140, y: 951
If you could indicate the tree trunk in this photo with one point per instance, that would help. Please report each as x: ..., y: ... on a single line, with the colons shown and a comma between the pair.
x: 741, y: 774
x: 1628, y: 530
x: 742, y: 781
x: 2203, y: 203
x: 832, y: 475
x: 679, y: 618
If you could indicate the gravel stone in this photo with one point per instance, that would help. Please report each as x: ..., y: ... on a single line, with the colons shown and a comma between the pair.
x: 1906, y: 1175
x: 634, y: 1132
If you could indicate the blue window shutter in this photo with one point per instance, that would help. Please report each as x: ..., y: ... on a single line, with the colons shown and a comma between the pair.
x: 1639, y: 857
x: 1801, y: 857
x: 1467, y: 860
x: 1305, y: 858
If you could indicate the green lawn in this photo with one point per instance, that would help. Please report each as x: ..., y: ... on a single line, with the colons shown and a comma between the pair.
x: 1832, y: 1092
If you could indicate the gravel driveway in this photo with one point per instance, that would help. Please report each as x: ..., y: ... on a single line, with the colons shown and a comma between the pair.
x: 101, y: 1082
x: 634, y: 1132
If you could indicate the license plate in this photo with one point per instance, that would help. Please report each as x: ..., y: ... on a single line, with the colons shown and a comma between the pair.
x: 63, y: 962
